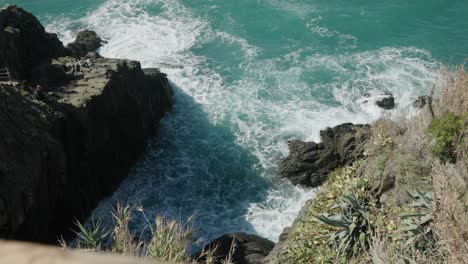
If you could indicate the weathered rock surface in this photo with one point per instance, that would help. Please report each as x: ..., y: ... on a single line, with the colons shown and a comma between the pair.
x: 24, y: 44
x: 248, y: 249
x: 86, y: 41
x: 63, y: 150
x: 386, y: 101
x: 309, y: 163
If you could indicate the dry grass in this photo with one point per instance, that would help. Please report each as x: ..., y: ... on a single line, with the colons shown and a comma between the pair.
x: 169, y: 242
x: 383, y: 252
x: 451, y: 180
x: 453, y: 96
x: 451, y: 217
x: 124, y: 241
x: 211, y: 255
x: 379, y: 252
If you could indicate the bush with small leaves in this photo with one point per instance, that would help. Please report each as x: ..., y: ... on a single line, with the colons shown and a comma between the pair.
x: 445, y: 131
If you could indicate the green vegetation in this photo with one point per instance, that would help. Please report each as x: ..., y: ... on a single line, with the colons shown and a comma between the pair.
x: 350, y: 222
x: 312, y: 237
x: 92, y: 236
x: 353, y: 223
x: 170, y: 239
x: 416, y: 225
x: 446, y: 131
x: 399, y: 204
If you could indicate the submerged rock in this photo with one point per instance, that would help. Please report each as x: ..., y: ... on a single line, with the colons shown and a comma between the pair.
x: 309, y: 163
x: 86, y: 41
x: 69, y: 142
x: 247, y: 249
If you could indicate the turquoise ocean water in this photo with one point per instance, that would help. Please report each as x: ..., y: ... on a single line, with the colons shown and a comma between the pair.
x: 249, y: 75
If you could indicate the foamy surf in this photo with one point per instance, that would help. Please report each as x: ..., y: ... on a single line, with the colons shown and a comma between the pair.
x: 217, y: 152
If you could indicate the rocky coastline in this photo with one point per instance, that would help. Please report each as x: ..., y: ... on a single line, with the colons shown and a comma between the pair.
x: 73, y: 124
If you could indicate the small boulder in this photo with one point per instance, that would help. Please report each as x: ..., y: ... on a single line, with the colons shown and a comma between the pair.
x: 86, y: 41
x: 247, y: 249
x: 386, y: 101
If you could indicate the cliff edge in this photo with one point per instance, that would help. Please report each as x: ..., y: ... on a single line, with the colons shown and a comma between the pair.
x: 72, y: 127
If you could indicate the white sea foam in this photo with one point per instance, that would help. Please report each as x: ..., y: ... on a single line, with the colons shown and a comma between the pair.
x: 217, y: 152
x: 343, y: 40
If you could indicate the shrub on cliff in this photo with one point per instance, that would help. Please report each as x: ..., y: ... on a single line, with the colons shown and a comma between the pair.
x: 446, y: 131
x: 169, y: 240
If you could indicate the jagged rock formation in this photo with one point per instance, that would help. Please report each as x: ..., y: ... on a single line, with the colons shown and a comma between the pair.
x: 309, y: 163
x: 24, y: 44
x: 244, y: 248
x: 67, y: 145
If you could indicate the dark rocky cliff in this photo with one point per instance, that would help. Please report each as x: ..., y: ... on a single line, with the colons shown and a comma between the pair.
x: 24, y: 44
x: 66, y: 144
x: 309, y: 163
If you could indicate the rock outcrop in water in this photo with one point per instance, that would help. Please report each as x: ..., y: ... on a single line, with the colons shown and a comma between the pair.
x: 244, y: 248
x: 382, y: 99
x: 309, y: 163
x: 386, y: 101
x: 68, y: 143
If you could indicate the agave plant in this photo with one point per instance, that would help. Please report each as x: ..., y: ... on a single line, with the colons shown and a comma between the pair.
x: 416, y: 225
x: 92, y: 235
x: 353, y: 225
